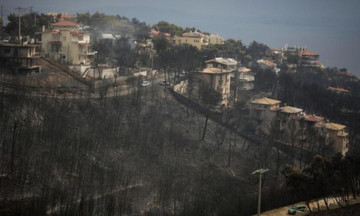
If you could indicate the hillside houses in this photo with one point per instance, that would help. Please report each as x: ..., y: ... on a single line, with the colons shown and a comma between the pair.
x: 295, y: 56
x: 266, y: 113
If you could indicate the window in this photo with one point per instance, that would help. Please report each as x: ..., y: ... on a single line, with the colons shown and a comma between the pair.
x: 64, y: 38
x: 56, y: 37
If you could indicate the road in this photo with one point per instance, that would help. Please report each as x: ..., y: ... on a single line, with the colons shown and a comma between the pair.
x: 112, y: 92
x: 282, y: 211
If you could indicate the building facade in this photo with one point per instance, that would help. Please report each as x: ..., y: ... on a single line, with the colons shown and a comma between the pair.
x: 197, y: 39
x: 19, y: 58
x: 66, y: 43
x: 335, y: 135
x: 217, y: 76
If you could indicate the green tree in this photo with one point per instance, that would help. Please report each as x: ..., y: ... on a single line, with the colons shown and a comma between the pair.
x: 28, y: 25
x: 166, y: 27
x: 257, y: 50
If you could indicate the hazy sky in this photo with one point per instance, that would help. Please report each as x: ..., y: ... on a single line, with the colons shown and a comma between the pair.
x: 330, y: 27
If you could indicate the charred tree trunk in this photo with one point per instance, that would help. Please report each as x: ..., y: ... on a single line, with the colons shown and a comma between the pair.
x: 205, y: 126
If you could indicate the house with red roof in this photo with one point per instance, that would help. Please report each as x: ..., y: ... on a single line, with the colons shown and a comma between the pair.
x: 68, y: 44
x: 266, y: 64
x: 310, y: 59
x: 338, y: 90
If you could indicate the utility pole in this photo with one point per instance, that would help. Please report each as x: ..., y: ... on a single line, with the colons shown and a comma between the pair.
x: 260, y: 171
x: 19, y: 9
x: 2, y: 22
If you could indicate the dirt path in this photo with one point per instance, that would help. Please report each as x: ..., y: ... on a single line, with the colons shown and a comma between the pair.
x: 54, y: 209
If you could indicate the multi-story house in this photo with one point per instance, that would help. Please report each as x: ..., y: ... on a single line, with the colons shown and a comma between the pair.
x: 309, y: 59
x: 335, y: 135
x: 263, y: 112
x: 246, y: 79
x: 19, y: 58
x: 288, y: 114
x: 197, y: 39
x: 66, y: 43
x: 217, y: 76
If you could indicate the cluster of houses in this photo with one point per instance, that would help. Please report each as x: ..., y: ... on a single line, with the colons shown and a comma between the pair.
x: 65, y: 42
x: 69, y: 44
x: 193, y: 38
x: 267, y: 116
x: 292, y: 57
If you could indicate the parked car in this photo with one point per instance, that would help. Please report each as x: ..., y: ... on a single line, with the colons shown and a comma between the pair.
x: 296, y: 208
x: 164, y: 84
x: 145, y: 83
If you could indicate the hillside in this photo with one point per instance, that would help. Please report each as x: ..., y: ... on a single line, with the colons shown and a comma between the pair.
x: 132, y: 154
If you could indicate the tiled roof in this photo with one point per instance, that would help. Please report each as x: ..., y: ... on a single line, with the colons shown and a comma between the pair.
x: 265, y: 101
x: 308, y: 53
x: 193, y: 34
x: 335, y: 127
x: 313, y: 118
x: 244, y: 70
x: 65, y: 23
x: 338, y: 89
x: 267, y: 63
x: 290, y: 110
x: 68, y: 16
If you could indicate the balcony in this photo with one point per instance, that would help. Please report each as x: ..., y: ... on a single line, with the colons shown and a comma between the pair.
x: 87, y: 53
